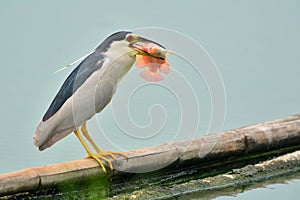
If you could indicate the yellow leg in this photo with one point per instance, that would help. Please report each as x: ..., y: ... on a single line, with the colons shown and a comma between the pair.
x: 90, y: 154
x: 99, y: 152
x: 88, y: 137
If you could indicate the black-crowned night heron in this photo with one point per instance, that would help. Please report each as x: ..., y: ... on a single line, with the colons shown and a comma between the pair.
x: 87, y: 90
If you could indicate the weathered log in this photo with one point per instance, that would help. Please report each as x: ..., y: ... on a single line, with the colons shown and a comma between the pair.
x: 227, y: 183
x: 258, y: 138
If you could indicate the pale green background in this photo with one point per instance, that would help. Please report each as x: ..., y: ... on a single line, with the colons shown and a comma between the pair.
x: 255, y: 45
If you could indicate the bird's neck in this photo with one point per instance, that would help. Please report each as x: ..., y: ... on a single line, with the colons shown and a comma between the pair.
x: 116, y: 67
x: 120, y: 58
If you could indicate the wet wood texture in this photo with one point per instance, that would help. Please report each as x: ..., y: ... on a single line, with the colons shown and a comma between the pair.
x: 257, y: 138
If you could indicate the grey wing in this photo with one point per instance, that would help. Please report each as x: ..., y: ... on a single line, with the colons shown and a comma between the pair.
x: 78, y: 76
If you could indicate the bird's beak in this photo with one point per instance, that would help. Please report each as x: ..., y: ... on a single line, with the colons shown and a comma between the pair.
x: 138, y: 43
x: 144, y: 40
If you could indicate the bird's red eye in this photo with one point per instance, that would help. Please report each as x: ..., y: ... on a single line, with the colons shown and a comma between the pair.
x: 129, y: 38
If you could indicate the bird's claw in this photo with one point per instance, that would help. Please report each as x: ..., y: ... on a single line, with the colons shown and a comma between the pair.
x: 97, y: 159
x: 111, y: 154
x: 103, y: 156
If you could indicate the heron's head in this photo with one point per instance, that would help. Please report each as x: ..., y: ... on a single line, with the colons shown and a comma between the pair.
x: 125, y: 42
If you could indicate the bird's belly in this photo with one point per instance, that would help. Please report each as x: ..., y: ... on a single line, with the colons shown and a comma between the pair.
x: 97, y: 91
x: 109, y: 80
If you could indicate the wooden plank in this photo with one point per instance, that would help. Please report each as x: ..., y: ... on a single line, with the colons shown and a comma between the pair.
x: 263, y: 137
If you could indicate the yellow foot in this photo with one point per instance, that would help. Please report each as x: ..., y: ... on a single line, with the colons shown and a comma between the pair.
x: 111, y: 154
x: 98, y: 158
x: 103, y: 156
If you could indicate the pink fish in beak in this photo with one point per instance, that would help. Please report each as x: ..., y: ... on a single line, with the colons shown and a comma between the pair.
x: 154, y: 58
